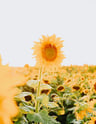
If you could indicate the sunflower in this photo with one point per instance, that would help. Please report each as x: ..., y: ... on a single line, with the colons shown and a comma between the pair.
x: 55, y: 97
x: 45, y: 89
x: 80, y: 115
x: 92, y: 105
x: 95, y: 87
x: 60, y: 88
x: 76, y: 87
x: 48, y: 52
x: 9, y: 79
x: 92, y: 121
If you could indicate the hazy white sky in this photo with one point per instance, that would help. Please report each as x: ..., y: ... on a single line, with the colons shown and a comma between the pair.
x: 24, y: 21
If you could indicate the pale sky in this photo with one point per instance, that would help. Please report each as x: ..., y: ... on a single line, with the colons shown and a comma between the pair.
x: 25, y: 21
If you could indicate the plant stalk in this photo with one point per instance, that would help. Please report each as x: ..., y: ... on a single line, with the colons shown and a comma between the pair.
x: 38, y: 90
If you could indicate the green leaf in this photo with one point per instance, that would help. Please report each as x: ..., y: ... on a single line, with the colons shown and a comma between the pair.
x: 26, y: 109
x: 70, y: 118
x: 33, y: 83
x: 52, y: 105
x: 44, y: 99
x: 21, y: 96
x: 42, y: 117
x: 45, y: 86
x: 21, y: 121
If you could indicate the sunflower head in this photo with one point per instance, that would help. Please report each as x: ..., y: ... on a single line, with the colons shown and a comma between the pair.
x: 45, y: 89
x: 95, y: 86
x: 48, y: 52
x: 60, y: 88
x: 76, y: 87
x: 46, y: 81
x: 55, y: 97
x: 92, y: 121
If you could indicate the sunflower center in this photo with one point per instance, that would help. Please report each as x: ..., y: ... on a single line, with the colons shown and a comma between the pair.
x: 49, y: 52
x: 95, y: 86
x: 95, y: 122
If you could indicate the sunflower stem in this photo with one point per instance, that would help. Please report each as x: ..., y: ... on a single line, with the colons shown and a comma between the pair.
x: 38, y: 91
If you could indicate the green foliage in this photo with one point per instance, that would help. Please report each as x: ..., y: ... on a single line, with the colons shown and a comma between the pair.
x: 42, y: 117
x: 21, y: 120
x: 57, y: 107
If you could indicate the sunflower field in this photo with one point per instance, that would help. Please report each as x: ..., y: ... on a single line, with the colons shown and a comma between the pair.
x: 48, y: 93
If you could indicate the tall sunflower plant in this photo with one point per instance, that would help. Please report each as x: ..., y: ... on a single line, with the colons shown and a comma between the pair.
x: 48, y: 93
x: 54, y: 94
x: 37, y: 105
